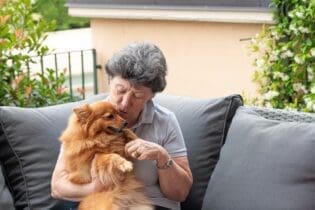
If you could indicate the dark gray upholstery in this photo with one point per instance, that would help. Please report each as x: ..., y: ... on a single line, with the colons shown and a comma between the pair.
x: 265, y: 163
x: 28, y: 151
x: 29, y: 145
x: 204, y: 123
x: 6, y: 201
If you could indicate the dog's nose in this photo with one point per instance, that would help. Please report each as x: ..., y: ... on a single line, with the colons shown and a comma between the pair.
x: 125, y: 123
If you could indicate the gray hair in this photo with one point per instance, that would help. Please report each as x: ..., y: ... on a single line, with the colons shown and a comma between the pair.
x: 140, y: 63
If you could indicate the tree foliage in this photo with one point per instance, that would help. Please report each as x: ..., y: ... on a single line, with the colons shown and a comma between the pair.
x: 22, y: 34
x: 55, y: 10
x: 285, y: 67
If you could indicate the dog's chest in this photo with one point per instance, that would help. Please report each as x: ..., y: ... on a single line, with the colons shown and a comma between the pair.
x: 116, y: 145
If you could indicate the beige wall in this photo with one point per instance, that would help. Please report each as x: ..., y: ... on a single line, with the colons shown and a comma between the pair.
x: 205, y: 59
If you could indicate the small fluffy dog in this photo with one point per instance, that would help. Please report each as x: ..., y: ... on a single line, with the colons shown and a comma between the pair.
x: 97, y: 134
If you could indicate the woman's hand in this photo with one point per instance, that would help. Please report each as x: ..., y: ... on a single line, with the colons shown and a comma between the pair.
x: 145, y: 150
x: 175, y: 181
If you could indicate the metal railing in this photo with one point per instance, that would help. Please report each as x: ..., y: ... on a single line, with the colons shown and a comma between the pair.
x: 80, y: 67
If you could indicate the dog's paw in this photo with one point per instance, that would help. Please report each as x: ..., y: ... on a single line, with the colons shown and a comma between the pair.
x: 125, y: 166
x: 112, y: 169
x: 122, y: 167
x: 115, y: 174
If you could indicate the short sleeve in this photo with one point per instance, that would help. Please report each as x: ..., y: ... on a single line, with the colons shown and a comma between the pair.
x: 174, y: 141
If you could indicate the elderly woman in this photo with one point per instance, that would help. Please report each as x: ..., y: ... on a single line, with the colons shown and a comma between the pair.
x: 135, y: 74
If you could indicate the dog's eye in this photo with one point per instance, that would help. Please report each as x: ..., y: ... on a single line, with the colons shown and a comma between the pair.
x: 108, y: 116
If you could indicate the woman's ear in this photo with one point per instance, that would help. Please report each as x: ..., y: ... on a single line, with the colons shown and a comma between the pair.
x: 109, y: 79
x: 151, y: 96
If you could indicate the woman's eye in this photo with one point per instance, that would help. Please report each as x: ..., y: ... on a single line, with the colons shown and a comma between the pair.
x: 138, y: 95
x: 120, y: 91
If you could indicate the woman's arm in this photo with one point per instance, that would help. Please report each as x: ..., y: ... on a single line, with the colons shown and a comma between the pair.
x: 176, y: 180
x: 62, y: 188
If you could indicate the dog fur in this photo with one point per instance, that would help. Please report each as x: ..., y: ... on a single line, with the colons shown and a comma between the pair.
x: 97, y: 134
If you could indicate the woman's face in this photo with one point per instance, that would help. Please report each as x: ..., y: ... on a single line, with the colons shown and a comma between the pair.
x: 128, y: 99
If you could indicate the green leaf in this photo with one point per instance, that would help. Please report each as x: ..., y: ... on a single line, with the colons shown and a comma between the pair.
x: 21, y: 37
x: 295, y: 31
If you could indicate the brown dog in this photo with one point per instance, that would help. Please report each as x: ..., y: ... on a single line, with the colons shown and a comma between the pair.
x: 96, y: 131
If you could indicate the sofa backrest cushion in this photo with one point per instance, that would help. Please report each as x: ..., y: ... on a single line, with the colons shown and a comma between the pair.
x: 6, y: 201
x: 29, y: 145
x: 265, y: 163
x: 204, y: 123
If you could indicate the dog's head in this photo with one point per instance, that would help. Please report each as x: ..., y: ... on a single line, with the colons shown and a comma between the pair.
x: 99, y: 117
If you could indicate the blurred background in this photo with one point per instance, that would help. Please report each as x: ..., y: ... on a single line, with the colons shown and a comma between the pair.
x: 262, y: 49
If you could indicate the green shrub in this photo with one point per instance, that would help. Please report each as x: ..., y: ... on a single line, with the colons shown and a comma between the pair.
x: 22, y: 33
x: 285, y: 67
x: 56, y: 10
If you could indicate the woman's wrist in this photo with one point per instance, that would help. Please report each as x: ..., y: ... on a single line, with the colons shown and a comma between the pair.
x: 166, y: 165
x: 164, y: 160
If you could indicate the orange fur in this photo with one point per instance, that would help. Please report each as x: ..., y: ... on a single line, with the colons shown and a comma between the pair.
x: 96, y: 131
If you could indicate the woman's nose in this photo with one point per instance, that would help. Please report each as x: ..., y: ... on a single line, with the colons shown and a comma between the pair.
x: 126, y: 101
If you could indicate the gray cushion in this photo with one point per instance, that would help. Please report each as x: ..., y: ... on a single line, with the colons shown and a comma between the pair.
x: 6, y: 201
x: 29, y: 148
x: 204, y: 123
x: 29, y: 145
x: 264, y: 164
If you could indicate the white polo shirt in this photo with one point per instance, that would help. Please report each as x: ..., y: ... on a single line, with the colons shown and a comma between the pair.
x: 159, y: 125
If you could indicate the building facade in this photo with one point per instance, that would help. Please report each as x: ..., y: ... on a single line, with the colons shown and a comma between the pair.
x: 206, y: 43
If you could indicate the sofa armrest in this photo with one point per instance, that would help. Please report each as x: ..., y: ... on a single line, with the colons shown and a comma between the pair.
x: 267, y: 162
x: 283, y: 115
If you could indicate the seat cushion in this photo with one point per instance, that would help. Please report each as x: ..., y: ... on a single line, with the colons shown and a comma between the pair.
x: 204, y: 123
x: 29, y: 147
x: 265, y: 164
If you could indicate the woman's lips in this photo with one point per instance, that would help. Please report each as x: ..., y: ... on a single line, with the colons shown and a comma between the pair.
x: 122, y: 113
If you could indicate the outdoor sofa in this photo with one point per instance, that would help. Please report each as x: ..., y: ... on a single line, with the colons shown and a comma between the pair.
x: 242, y: 158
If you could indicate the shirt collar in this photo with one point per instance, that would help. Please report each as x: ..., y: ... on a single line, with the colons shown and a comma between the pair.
x: 147, y: 114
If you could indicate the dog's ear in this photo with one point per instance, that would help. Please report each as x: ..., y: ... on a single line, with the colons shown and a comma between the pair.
x: 83, y: 112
